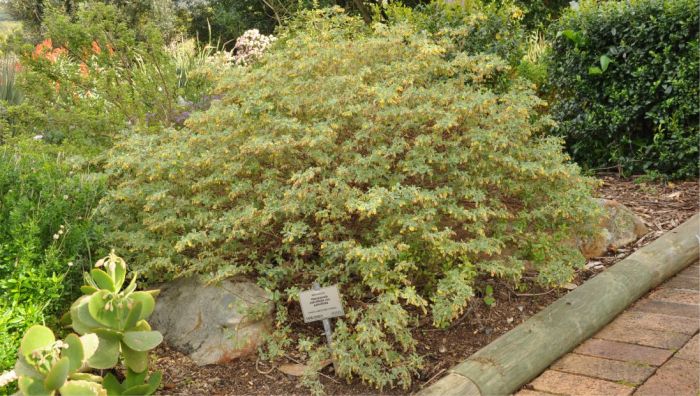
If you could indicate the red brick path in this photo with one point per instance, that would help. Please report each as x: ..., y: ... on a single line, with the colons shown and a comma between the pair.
x: 653, y: 348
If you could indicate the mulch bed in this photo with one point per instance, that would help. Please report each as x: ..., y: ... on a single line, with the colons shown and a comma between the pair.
x: 662, y: 206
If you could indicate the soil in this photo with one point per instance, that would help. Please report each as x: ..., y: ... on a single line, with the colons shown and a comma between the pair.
x: 662, y: 206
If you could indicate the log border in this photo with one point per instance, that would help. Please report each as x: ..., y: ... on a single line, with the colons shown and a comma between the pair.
x: 512, y: 360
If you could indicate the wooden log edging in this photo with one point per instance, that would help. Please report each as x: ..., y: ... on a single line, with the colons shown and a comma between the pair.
x: 506, y: 364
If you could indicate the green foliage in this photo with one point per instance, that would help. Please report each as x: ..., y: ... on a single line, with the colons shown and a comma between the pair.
x: 362, y: 156
x: 160, y: 13
x: 488, y: 296
x: 46, y: 230
x: 225, y: 20
x: 472, y: 26
x: 538, y: 13
x: 95, y: 76
x: 112, y: 323
x: 624, y: 76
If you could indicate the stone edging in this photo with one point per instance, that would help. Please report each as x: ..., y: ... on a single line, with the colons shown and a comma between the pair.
x: 509, y: 362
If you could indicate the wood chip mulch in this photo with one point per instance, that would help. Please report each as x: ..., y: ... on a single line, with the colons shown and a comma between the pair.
x: 662, y: 206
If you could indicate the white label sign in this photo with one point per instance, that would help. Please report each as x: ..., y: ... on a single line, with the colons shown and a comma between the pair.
x: 321, y: 304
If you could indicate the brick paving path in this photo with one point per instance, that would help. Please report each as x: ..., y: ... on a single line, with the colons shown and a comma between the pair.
x: 651, y: 349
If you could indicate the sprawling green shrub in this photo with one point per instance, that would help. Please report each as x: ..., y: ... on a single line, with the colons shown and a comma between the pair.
x: 46, y: 236
x: 358, y: 156
x: 625, y: 76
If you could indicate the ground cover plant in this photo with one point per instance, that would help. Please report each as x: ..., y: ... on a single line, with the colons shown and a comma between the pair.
x: 624, y: 76
x: 362, y: 156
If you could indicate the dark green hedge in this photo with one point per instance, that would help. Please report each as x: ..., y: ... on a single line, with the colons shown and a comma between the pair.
x: 625, y: 81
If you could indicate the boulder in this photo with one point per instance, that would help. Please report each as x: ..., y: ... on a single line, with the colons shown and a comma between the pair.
x: 619, y: 227
x: 213, y: 323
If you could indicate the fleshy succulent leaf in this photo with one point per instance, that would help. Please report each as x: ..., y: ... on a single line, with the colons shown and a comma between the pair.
x: 103, y: 310
x: 82, y: 388
x: 24, y: 369
x: 74, y: 353
x: 106, y: 355
x: 85, y: 377
x: 142, y: 325
x: 119, y: 274
x: 134, y: 316
x: 142, y: 340
x: 32, y: 387
x: 133, y: 378
x: 58, y: 374
x: 109, y: 333
x: 132, y: 285
x: 147, y: 301
x: 138, y: 390
x: 37, y: 337
x: 83, y: 322
x: 103, y: 280
x: 135, y: 360
x: 90, y: 344
x: 87, y: 289
x: 112, y: 385
x: 154, y: 382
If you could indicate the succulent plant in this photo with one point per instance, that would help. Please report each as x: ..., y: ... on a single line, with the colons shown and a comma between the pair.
x: 45, y: 365
x: 117, y: 316
x: 134, y: 384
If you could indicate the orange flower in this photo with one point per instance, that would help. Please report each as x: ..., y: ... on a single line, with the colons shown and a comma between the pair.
x: 42, y: 47
x: 110, y: 49
x: 45, y: 50
x: 53, y: 55
x: 84, y: 71
x: 96, y: 48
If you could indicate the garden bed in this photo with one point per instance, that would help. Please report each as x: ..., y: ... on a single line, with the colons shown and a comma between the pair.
x: 662, y: 207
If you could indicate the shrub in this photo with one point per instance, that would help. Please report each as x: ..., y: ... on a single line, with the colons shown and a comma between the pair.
x: 46, y: 235
x: 472, y: 26
x: 95, y: 76
x: 626, y: 85
x: 359, y: 156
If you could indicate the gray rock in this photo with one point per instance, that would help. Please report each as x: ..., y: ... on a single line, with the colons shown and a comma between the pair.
x: 619, y: 227
x: 212, y: 324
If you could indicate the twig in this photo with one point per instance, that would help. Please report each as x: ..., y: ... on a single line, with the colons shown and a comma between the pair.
x: 298, y: 362
x: 533, y: 294
x: 257, y: 368
x: 432, y: 378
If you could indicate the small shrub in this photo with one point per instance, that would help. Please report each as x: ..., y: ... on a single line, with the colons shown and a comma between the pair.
x: 46, y: 236
x: 362, y: 156
x: 624, y: 76
x: 94, y: 76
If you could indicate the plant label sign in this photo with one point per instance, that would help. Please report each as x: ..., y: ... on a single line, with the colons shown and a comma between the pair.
x: 320, y: 304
